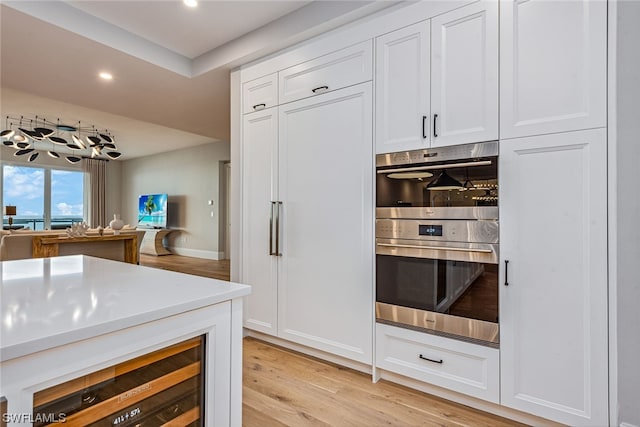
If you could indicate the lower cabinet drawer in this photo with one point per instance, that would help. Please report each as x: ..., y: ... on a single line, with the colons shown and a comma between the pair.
x: 455, y: 365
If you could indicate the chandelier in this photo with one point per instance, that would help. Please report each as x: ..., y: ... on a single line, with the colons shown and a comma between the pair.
x: 31, y: 136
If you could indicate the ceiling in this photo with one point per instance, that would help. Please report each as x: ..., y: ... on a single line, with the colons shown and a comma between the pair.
x: 170, y: 63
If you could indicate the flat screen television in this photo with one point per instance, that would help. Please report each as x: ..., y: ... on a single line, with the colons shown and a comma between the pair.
x: 152, y: 211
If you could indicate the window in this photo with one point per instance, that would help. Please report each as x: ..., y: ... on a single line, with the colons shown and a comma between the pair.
x: 44, y: 198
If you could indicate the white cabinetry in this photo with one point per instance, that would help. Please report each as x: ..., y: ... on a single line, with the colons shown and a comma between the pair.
x: 402, y: 89
x: 553, y: 58
x: 464, y: 75
x: 260, y: 94
x: 553, y: 313
x: 336, y: 70
x: 326, y: 285
x: 456, y: 365
x: 443, y: 94
x: 313, y: 158
x: 259, y: 190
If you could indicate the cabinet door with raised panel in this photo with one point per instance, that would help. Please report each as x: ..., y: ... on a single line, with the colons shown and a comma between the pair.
x: 402, y: 89
x: 260, y: 94
x: 259, y: 190
x: 553, y: 58
x: 553, y: 296
x: 326, y: 186
x: 464, y: 75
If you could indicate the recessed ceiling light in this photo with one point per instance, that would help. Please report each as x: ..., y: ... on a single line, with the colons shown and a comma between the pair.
x: 190, y: 3
x: 106, y: 76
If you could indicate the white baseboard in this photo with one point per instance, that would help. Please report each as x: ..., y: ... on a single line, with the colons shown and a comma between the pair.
x: 197, y: 253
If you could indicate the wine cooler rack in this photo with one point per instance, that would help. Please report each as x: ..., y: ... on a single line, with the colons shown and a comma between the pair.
x: 163, y: 388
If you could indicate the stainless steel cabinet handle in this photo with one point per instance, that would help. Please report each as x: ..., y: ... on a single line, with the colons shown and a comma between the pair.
x: 430, y: 360
x: 437, y: 248
x: 278, y: 205
x: 320, y: 89
x: 271, y: 252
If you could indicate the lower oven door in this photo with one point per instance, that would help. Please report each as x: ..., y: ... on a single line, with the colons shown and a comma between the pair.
x: 449, y: 288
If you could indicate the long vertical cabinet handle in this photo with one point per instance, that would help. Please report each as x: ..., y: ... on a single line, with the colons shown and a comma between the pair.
x: 506, y: 272
x: 424, y: 127
x: 435, y: 121
x: 278, y: 205
x: 271, y: 252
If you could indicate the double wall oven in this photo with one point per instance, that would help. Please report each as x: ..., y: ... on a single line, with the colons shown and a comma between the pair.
x: 437, y: 241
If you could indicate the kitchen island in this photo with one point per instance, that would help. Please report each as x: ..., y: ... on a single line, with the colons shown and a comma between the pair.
x: 77, y: 329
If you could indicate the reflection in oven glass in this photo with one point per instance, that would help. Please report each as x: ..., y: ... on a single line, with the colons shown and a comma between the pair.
x: 478, y: 187
x: 464, y: 289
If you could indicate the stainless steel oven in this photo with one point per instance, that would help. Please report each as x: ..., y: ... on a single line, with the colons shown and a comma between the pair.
x: 437, y: 241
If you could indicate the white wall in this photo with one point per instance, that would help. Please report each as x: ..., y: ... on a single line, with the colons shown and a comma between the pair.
x: 191, y: 177
x: 628, y: 211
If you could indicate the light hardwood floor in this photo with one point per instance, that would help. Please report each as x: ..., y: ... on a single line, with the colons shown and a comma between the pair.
x: 196, y: 266
x: 285, y: 388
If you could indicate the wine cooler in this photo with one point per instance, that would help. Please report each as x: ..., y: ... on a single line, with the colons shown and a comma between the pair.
x: 163, y: 388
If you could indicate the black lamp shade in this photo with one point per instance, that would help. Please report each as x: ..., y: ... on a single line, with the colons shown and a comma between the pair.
x: 23, y: 152
x: 73, y: 159
x: 58, y: 140
x: 444, y: 182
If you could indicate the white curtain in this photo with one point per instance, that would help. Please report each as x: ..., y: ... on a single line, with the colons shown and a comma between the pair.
x: 97, y: 212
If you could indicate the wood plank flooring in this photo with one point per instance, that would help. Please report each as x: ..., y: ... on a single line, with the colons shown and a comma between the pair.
x: 182, y: 264
x: 285, y: 388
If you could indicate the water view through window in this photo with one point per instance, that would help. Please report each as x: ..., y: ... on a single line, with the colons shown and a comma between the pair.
x: 44, y: 198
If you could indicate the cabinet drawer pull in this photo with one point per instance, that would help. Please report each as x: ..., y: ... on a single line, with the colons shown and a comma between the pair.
x: 320, y: 89
x: 259, y: 106
x: 430, y: 360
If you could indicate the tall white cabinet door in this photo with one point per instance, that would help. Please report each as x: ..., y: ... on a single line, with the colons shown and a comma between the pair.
x: 402, y: 89
x: 464, y: 75
x: 553, y: 313
x: 326, y: 185
x: 259, y: 189
x: 553, y: 58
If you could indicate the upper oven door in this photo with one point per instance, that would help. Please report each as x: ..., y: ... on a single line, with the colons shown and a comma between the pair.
x: 438, y: 178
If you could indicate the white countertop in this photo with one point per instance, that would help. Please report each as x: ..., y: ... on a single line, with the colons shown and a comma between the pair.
x: 49, y: 302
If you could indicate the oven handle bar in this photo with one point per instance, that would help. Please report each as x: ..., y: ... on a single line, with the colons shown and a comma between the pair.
x: 438, y: 248
x: 429, y: 167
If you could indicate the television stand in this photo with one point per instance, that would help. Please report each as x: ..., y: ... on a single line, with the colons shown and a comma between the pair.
x: 152, y: 242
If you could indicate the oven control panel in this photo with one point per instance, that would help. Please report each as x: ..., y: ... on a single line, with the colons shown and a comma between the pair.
x: 429, y: 230
x: 442, y: 230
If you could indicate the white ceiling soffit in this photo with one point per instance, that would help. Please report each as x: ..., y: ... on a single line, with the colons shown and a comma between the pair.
x: 194, y: 49
x: 134, y: 138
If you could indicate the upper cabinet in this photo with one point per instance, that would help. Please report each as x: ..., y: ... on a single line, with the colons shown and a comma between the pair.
x: 552, y: 66
x: 402, y: 89
x: 260, y: 93
x: 336, y: 70
x: 464, y: 75
x: 437, y: 81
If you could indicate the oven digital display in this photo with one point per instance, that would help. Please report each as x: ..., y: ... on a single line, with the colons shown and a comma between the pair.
x: 430, y: 230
